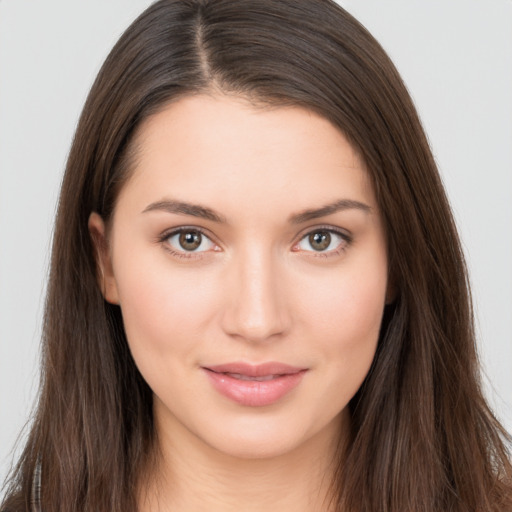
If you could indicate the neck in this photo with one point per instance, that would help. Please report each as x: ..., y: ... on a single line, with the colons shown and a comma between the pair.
x: 190, y: 475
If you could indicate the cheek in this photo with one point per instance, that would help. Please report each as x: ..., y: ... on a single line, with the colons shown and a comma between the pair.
x: 349, y: 305
x: 163, y: 309
x: 344, y: 316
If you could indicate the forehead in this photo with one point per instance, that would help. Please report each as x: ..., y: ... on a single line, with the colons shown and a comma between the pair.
x: 209, y: 148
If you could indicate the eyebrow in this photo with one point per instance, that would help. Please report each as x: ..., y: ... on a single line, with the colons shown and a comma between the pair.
x: 183, y: 208
x: 329, y: 209
x: 195, y: 210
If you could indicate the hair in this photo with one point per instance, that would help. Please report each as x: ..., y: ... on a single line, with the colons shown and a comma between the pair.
x: 422, y: 437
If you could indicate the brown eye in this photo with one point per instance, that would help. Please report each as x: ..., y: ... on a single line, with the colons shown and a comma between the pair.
x: 190, y: 240
x: 320, y: 240
x: 323, y: 240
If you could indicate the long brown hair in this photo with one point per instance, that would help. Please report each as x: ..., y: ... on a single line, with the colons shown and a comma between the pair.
x: 423, y: 438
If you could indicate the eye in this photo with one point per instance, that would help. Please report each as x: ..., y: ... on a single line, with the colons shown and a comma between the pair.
x: 189, y: 240
x: 323, y: 240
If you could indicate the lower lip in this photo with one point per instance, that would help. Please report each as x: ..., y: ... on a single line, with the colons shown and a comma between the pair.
x: 254, y: 393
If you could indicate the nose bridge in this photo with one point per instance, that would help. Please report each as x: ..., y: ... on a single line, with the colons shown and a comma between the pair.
x: 255, y: 310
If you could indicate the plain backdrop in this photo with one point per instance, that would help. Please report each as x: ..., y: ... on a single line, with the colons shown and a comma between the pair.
x: 455, y: 56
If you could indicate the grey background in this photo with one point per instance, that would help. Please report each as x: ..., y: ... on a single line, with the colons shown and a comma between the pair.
x: 455, y: 57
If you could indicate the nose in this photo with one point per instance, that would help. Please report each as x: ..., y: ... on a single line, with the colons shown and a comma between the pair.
x: 255, y: 306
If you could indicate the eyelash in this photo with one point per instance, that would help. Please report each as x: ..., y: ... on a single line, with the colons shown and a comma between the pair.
x: 346, y: 241
x: 164, y: 240
x: 342, y: 246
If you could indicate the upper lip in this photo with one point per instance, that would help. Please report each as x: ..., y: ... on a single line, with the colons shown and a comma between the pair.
x: 255, y: 370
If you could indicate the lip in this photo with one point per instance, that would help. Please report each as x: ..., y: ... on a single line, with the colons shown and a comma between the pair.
x: 254, y: 385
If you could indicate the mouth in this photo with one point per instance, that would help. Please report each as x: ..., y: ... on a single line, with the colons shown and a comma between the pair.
x: 240, y: 376
x: 254, y: 385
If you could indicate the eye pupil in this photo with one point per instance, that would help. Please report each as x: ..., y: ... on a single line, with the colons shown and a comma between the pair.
x: 320, y: 240
x: 190, y: 240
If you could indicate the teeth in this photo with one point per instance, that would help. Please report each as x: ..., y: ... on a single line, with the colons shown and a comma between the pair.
x: 247, y: 377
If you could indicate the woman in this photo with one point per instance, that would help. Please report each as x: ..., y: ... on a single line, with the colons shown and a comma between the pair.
x: 257, y: 297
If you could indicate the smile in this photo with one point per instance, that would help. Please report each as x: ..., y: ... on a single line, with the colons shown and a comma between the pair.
x: 254, y: 385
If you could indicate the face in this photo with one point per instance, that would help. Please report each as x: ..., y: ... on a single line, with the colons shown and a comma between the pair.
x: 247, y: 254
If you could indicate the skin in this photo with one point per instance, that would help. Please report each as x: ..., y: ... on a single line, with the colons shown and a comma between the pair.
x: 256, y: 290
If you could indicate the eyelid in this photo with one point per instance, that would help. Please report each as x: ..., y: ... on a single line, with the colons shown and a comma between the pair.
x: 343, y: 233
x: 164, y: 236
x: 167, y: 234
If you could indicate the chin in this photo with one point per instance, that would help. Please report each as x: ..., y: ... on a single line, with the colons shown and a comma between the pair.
x: 251, y: 439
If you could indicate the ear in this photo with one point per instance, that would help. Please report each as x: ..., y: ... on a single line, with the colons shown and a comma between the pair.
x: 105, y: 274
